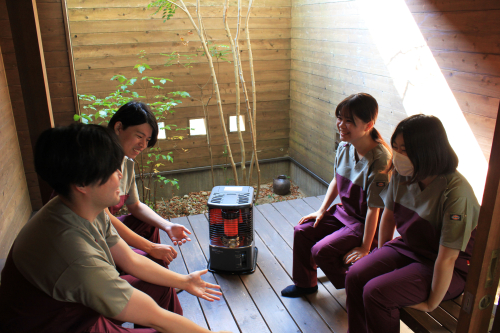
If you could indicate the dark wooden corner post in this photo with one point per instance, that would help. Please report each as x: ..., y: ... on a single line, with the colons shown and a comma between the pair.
x: 23, y: 17
x: 482, y: 280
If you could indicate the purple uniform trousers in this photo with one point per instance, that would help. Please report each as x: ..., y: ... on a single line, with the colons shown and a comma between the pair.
x: 323, y: 246
x: 145, y: 230
x: 165, y: 297
x: 383, y: 282
x: 25, y: 308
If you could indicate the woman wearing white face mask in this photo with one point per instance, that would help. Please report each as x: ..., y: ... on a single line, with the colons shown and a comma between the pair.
x: 435, y: 211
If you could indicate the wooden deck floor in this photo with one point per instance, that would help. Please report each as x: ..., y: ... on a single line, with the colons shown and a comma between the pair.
x: 253, y: 303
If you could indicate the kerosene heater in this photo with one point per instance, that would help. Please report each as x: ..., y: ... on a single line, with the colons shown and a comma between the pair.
x: 232, y: 244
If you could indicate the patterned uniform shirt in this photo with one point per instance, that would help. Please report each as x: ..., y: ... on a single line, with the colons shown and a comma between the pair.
x: 444, y: 213
x: 359, y: 183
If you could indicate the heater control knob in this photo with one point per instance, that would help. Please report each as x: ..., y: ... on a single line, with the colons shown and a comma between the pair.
x: 231, y: 242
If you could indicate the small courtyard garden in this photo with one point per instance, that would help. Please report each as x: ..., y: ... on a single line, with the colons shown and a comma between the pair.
x: 196, y: 202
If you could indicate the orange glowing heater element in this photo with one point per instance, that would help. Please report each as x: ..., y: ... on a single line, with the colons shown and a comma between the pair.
x: 231, y: 227
x: 230, y: 217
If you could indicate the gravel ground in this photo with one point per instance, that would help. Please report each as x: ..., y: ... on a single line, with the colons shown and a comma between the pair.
x: 196, y: 202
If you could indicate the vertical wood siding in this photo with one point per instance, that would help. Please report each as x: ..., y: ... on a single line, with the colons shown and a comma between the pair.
x: 15, y: 205
x: 334, y: 55
x: 107, y: 36
x: 16, y: 98
x: 58, y: 71
x: 57, y: 61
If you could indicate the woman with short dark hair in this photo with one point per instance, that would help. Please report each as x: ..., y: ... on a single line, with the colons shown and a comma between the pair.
x: 435, y: 211
x: 136, y: 127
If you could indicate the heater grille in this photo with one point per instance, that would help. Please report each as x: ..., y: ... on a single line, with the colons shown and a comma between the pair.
x: 243, y: 198
x: 217, y: 198
x: 231, y: 227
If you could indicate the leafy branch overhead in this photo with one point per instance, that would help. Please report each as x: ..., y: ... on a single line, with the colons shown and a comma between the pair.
x: 104, y: 108
x: 168, y: 7
x: 100, y: 110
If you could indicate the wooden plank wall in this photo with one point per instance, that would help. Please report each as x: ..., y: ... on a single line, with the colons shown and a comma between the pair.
x: 15, y: 205
x: 16, y: 98
x: 57, y: 61
x: 107, y: 36
x: 59, y: 76
x: 333, y: 56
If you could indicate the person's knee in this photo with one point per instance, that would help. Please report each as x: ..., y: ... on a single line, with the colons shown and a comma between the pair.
x: 375, y: 293
x: 318, y: 253
x: 355, y: 277
x: 300, y: 231
x: 324, y: 255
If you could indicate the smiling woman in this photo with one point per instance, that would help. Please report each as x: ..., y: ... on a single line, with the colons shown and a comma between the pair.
x: 137, y: 129
x: 336, y: 237
x: 134, y: 138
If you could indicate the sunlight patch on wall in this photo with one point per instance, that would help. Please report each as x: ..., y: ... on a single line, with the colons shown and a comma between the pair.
x: 419, y: 81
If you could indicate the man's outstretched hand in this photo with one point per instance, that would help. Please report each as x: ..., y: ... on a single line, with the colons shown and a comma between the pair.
x: 202, y: 289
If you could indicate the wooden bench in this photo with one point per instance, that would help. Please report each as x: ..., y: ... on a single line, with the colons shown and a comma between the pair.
x: 443, y: 320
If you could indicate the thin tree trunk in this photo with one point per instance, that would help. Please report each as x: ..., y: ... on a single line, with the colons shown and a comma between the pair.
x: 208, y: 133
x: 253, y: 116
x: 201, y: 34
x: 236, y: 63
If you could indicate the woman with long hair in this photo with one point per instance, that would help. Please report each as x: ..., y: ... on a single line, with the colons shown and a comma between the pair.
x: 435, y: 211
x: 335, y: 237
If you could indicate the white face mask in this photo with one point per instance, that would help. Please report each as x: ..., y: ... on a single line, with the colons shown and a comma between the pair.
x: 402, y: 164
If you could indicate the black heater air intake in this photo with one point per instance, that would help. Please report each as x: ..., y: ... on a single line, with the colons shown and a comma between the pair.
x: 232, y: 244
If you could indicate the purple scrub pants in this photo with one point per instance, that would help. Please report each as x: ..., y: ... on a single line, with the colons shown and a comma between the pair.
x: 323, y: 246
x: 25, y: 308
x: 145, y: 230
x: 383, y: 282
x: 165, y: 297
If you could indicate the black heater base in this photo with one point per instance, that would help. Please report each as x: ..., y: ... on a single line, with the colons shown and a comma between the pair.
x: 233, y: 261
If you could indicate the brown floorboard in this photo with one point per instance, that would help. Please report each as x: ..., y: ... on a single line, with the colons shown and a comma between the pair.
x: 218, y: 314
x: 253, y: 303
x: 190, y: 304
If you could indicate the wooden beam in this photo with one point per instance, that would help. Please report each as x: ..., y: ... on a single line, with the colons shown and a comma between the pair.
x: 482, y: 280
x: 25, y: 27
x: 70, y: 56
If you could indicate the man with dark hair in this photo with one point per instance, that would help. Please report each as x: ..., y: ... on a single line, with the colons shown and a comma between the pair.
x: 60, y: 274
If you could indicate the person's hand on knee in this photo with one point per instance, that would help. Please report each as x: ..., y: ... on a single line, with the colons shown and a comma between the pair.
x: 163, y: 252
x: 355, y: 254
x: 316, y: 216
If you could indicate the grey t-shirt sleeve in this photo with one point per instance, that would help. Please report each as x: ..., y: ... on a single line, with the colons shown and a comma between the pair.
x: 133, y: 193
x: 94, y: 282
x: 388, y: 194
x: 377, y: 182
x: 132, y: 185
x: 459, y: 219
x: 112, y: 236
x: 337, y: 157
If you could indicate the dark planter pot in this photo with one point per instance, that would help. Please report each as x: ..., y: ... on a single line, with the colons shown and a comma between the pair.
x: 281, y: 185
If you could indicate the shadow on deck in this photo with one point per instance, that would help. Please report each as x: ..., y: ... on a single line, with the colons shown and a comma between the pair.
x: 253, y: 303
